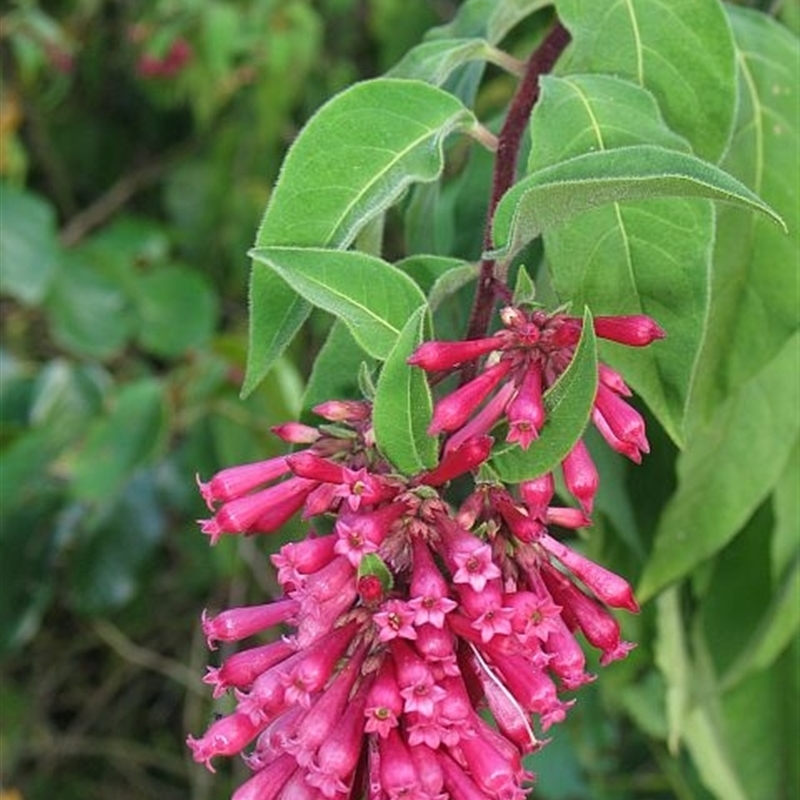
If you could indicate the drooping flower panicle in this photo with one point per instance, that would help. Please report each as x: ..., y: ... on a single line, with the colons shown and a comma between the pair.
x: 405, y: 614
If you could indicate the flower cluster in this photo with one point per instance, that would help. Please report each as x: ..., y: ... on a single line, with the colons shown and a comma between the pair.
x: 408, y: 614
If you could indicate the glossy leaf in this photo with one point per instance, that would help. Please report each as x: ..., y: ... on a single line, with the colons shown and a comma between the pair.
x: 568, y: 402
x: 177, y: 311
x: 756, y: 269
x: 403, y: 406
x: 372, y: 297
x: 681, y: 50
x: 352, y: 160
x: 90, y: 313
x: 550, y: 196
x: 29, y: 250
x: 121, y: 442
x: 106, y: 567
x: 731, y: 467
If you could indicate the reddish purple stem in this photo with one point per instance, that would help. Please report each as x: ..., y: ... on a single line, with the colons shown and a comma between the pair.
x: 490, y: 283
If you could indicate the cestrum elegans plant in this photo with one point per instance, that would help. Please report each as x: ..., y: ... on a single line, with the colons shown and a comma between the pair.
x: 433, y: 620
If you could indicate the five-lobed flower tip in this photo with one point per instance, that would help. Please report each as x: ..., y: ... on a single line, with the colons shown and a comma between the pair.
x: 403, y: 615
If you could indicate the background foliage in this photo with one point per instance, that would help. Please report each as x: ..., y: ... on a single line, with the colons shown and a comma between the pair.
x: 137, y: 153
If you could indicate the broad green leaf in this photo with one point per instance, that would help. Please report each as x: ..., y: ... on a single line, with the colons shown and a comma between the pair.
x: 277, y: 313
x: 124, y: 440
x: 335, y: 371
x: 65, y: 398
x: 106, y: 567
x: 402, y: 408
x: 177, y: 310
x: 488, y: 18
x: 777, y: 629
x: 649, y: 258
x: 568, y: 402
x: 372, y: 297
x: 90, y: 314
x: 355, y: 157
x: 729, y: 616
x: 29, y: 250
x: 434, y: 61
x: 754, y: 285
x: 550, y: 196
x: 729, y: 468
x: 786, y: 502
x: 681, y: 50
x: 758, y: 717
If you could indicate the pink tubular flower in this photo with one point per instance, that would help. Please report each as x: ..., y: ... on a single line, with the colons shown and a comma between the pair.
x: 464, y: 458
x: 636, y: 330
x: 435, y: 356
x: 454, y: 410
x: 407, y: 617
x: 226, y: 737
x: 236, y: 624
x: 526, y: 412
x: 580, y: 475
x: 234, y: 482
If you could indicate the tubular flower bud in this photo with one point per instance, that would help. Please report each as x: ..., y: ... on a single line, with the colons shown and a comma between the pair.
x: 636, y: 330
x: 435, y: 356
x: 454, y: 410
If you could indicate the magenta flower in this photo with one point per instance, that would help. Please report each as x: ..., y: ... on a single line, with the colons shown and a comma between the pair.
x: 403, y: 616
x: 522, y: 362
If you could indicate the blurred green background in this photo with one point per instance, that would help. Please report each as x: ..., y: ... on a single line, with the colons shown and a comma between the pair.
x: 138, y: 144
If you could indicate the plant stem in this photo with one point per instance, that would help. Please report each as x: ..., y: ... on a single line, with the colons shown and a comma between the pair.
x: 493, y: 276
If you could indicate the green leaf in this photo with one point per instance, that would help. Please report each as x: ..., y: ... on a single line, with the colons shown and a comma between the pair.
x: 355, y: 157
x: 756, y: 266
x: 177, y: 309
x: 672, y: 658
x: 403, y: 407
x: 28, y: 551
x: 335, y: 370
x: 426, y: 270
x: 649, y: 258
x: 90, y: 314
x: 451, y: 282
x: 568, y: 402
x: 123, y: 441
x: 371, y: 296
x: 681, y: 50
x: 488, y: 18
x: 759, y: 717
x: 551, y: 196
x: 778, y: 628
x: 729, y: 468
x: 786, y: 501
x: 65, y: 398
x: 29, y: 250
x: 434, y: 61
x: 277, y: 313
x: 353, y: 160
x: 106, y: 567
